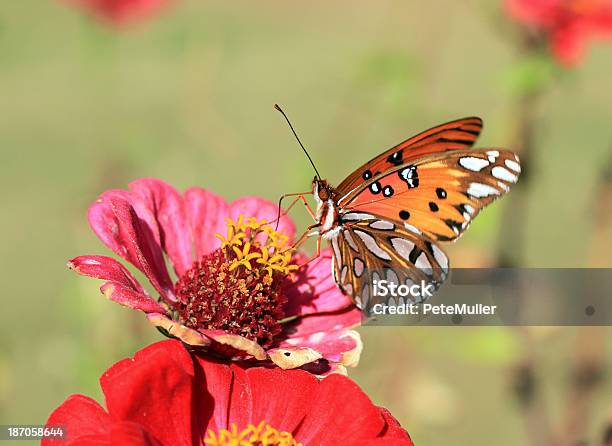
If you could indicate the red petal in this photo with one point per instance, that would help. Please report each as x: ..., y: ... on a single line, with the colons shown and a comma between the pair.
x: 282, y: 398
x: 392, y: 429
x: 131, y: 434
x: 107, y: 268
x: 116, y: 223
x: 131, y: 299
x: 159, y: 378
x: 315, y: 290
x: 241, y: 399
x: 206, y: 213
x: 340, y: 414
x: 167, y: 207
x: 218, y: 380
x: 262, y: 210
x: 80, y: 416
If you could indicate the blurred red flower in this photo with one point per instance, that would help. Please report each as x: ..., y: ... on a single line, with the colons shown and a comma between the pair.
x: 165, y: 396
x: 240, y: 295
x: 568, y: 25
x: 120, y: 11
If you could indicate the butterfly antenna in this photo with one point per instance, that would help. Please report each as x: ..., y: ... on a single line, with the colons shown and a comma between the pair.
x: 276, y: 106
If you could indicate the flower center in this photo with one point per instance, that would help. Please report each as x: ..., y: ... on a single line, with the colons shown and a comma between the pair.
x: 261, y: 435
x: 238, y: 287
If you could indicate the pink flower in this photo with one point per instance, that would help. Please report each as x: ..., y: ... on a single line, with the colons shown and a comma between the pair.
x: 235, y: 288
x: 567, y: 24
x: 120, y: 11
x: 164, y: 396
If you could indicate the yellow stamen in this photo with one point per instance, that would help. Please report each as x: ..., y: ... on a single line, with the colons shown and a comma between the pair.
x: 250, y: 240
x: 261, y: 435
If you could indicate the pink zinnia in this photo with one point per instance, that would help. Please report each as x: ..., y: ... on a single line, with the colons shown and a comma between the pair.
x: 239, y: 290
x: 567, y: 24
x: 164, y: 396
x: 120, y: 11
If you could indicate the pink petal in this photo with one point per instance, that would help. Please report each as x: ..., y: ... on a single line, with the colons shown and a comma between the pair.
x: 107, y: 268
x: 116, y: 223
x: 347, y: 318
x: 206, y: 213
x: 315, y: 290
x: 170, y: 220
x: 161, y: 378
x: 262, y: 209
x: 129, y: 298
x: 340, y: 346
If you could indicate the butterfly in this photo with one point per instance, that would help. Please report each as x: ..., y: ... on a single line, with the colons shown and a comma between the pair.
x: 389, y: 216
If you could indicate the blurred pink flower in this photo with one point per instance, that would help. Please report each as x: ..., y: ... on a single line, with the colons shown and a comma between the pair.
x: 568, y: 25
x: 238, y: 291
x: 120, y: 11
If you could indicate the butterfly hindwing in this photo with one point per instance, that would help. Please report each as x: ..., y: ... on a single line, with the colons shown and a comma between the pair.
x: 438, y: 194
x: 370, y: 248
x: 455, y: 135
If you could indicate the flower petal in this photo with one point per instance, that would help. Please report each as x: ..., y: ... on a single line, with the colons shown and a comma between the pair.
x: 392, y: 427
x: 218, y: 380
x: 315, y: 323
x: 160, y: 378
x: 242, y: 345
x: 206, y: 213
x: 185, y: 334
x: 262, y: 209
x: 285, y: 413
x: 167, y: 207
x: 329, y: 422
x: 107, y: 268
x: 81, y: 416
x: 117, y: 224
x: 293, y: 357
x: 129, y: 298
x: 131, y: 434
x: 315, y: 290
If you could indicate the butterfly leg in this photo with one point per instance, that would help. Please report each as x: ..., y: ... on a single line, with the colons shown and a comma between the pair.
x: 300, y: 196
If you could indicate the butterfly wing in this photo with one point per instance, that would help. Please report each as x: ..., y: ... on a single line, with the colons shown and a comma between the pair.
x: 454, y: 135
x: 437, y: 195
x: 370, y: 248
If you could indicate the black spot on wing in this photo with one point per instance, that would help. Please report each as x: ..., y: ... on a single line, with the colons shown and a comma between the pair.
x: 396, y: 158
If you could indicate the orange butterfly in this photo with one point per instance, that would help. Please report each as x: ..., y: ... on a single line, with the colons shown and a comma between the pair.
x: 389, y: 215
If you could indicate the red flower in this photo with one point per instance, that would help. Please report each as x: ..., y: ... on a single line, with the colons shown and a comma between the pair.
x: 567, y: 24
x: 120, y: 11
x: 241, y: 295
x: 164, y: 396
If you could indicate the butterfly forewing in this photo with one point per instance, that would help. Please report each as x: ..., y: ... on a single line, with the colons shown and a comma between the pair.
x: 370, y: 248
x: 454, y: 135
x: 439, y: 194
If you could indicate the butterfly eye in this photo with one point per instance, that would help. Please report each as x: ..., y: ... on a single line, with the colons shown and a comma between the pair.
x: 323, y: 194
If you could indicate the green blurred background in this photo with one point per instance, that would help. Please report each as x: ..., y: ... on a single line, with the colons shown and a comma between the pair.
x: 187, y: 97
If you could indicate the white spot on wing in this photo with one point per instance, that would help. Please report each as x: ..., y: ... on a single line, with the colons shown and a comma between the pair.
x: 358, y: 267
x: 423, y: 264
x: 402, y: 246
x: 372, y: 246
x: 440, y: 257
x: 343, y: 273
x: 350, y: 241
x: 336, y: 249
x: 382, y: 224
x: 357, y: 216
x: 513, y: 165
x: 480, y: 190
x: 412, y: 228
x: 501, y: 173
x: 472, y: 163
x: 469, y: 209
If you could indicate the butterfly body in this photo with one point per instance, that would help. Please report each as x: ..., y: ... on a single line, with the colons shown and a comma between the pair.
x: 385, y: 220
